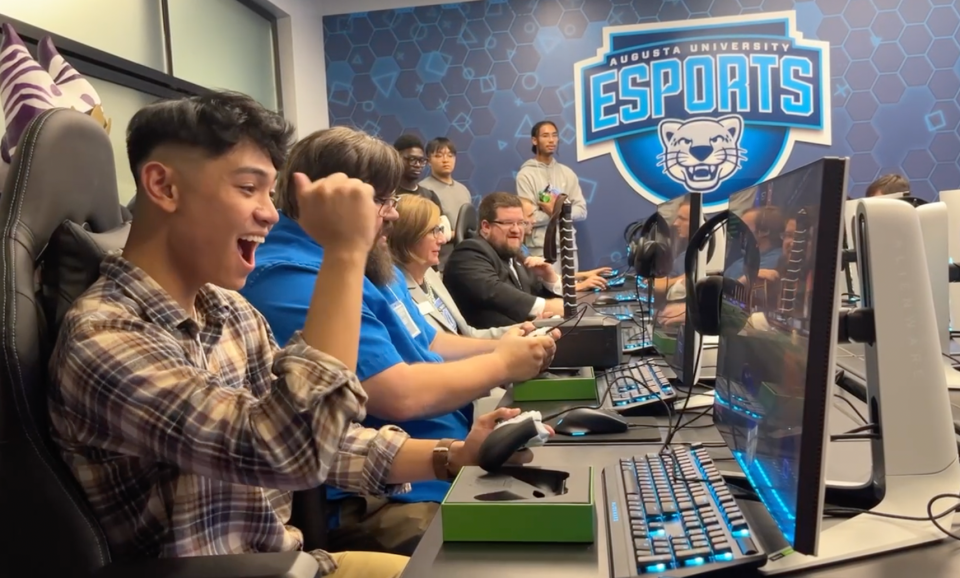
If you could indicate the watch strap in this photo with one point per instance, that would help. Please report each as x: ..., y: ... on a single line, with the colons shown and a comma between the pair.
x: 441, y: 459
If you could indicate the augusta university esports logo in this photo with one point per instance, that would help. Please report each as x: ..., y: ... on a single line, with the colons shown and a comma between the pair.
x: 710, y: 106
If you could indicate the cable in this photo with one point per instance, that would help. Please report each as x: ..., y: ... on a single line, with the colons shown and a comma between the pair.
x: 933, y: 519
x: 853, y: 407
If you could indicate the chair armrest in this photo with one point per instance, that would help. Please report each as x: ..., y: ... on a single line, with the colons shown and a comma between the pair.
x: 267, y: 565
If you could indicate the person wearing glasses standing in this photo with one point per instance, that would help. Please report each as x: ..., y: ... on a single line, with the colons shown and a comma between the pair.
x: 488, y: 276
x: 541, y: 180
x: 420, y: 379
x: 411, y: 151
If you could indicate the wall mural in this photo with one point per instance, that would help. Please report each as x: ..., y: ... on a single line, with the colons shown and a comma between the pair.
x: 877, y: 81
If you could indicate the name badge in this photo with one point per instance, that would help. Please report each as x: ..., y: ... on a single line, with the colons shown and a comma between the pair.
x: 450, y: 322
x: 405, y: 318
x: 425, y: 308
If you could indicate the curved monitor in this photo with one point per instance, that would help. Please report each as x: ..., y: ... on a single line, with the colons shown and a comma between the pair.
x: 775, y: 357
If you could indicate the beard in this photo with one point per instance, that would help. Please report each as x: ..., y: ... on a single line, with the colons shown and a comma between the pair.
x: 506, y: 252
x: 380, y: 267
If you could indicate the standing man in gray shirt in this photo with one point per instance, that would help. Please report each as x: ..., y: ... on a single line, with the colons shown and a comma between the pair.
x: 541, y: 179
x: 442, y: 156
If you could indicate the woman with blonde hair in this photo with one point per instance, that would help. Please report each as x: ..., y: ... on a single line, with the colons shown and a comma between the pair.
x: 415, y: 240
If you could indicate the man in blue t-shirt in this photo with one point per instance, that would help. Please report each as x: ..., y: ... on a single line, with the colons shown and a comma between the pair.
x: 415, y: 377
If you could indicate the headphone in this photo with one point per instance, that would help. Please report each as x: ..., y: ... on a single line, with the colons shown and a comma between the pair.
x: 705, y: 298
x: 650, y: 257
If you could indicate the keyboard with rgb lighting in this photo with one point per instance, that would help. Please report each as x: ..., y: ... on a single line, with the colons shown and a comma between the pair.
x: 637, y: 389
x: 671, y: 515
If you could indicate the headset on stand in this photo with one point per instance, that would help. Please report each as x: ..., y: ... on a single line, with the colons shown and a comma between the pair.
x: 650, y: 258
x: 705, y: 298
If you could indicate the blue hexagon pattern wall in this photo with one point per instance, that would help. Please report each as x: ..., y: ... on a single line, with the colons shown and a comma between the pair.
x: 482, y: 72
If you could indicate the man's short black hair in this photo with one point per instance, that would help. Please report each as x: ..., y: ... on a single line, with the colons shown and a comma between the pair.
x: 407, y: 141
x: 214, y: 123
x: 438, y: 144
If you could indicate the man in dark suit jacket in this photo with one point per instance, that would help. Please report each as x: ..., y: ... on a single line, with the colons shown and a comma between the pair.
x: 488, y: 277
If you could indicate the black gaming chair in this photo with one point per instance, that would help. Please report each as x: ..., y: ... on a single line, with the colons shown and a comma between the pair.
x: 468, y: 223
x: 59, y: 210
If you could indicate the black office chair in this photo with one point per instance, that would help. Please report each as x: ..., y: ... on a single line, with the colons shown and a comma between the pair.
x: 60, y: 213
x: 468, y: 223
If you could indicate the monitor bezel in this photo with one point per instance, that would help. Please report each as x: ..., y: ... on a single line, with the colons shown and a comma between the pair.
x: 824, y: 310
x: 691, y: 338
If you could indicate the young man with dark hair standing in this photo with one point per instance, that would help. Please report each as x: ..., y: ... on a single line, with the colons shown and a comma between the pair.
x: 541, y: 179
x: 488, y: 276
x: 888, y: 185
x: 442, y: 156
x: 414, y: 376
x: 185, y: 424
x: 411, y: 151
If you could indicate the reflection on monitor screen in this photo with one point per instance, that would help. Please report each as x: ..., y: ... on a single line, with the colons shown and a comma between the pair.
x: 683, y: 216
x: 773, y: 357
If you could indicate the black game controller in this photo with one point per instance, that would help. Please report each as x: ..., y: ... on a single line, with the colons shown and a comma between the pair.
x: 506, y: 440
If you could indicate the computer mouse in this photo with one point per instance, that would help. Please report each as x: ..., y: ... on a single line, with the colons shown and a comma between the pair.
x: 584, y: 421
x: 509, y: 437
x: 606, y: 300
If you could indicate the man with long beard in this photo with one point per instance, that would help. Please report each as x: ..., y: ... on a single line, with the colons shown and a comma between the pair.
x: 422, y: 380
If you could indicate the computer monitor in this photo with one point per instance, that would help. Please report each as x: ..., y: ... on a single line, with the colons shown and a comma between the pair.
x: 775, y: 362
x: 673, y: 335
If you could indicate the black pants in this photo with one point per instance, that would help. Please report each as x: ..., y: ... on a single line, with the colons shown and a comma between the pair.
x: 377, y: 525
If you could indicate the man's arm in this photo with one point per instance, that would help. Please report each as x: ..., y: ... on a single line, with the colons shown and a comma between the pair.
x: 527, y: 189
x: 578, y: 210
x: 452, y: 347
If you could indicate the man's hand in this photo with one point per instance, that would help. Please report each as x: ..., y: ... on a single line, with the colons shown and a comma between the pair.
x: 590, y: 283
x: 548, y: 207
x: 541, y: 268
x: 593, y: 272
x: 526, y: 328
x: 467, y: 452
x: 769, y: 275
x: 337, y: 212
x: 525, y: 357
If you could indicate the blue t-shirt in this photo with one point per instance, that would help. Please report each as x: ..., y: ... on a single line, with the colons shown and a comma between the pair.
x: 281, y: 287
x: 768, y: 260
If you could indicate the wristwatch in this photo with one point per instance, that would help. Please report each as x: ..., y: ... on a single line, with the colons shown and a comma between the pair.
x: 441, y: 460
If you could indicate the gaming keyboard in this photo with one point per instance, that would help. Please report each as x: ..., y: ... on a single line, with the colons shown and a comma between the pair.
x: 623, y: 312
x: 671, y: 515
x: 638, y: 389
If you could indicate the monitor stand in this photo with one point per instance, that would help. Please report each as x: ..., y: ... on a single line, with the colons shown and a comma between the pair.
x: 910, y: 401
x: 934, y: 223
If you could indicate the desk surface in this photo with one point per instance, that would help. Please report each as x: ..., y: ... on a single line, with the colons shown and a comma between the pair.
x: 433, y: 558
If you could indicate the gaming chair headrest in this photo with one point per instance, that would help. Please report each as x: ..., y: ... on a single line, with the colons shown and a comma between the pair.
x: 717, y: 297
x: 468, y: 223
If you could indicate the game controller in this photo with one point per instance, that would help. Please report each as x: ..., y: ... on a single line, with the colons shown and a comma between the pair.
x: 511, y: 436
x: 539, y: 332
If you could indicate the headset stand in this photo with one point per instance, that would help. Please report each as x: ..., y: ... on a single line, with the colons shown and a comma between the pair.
x: 906, y: 394
x: 934, y: 222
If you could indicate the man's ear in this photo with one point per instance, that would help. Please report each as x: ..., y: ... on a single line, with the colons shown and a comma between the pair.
x: 157, y: 185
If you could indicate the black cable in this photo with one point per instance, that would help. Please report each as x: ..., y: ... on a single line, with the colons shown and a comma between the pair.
x: 853, y: 407
x: 933, y: 519
x: 854, y: 437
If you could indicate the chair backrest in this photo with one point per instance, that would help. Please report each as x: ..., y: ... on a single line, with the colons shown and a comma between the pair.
x: 468, y: 223
x: 62, y: 171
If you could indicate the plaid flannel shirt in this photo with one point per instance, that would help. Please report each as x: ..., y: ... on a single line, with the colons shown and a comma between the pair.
x: 188, y: 438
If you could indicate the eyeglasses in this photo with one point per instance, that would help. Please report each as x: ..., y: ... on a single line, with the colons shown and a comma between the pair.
x: 415, y: 161
x: 512, y: 224
x: 443, y: 155
x: 386, y: 203
x: 437, y: 232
